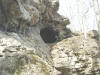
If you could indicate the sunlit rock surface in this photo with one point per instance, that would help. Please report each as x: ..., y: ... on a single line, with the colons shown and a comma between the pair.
x: 18, y: 59
x: 77, y: 56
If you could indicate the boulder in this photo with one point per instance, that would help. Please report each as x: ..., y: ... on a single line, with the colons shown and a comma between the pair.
x: 76, y: 55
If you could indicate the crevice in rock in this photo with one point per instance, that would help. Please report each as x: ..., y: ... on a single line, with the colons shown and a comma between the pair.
x: 48, y: 35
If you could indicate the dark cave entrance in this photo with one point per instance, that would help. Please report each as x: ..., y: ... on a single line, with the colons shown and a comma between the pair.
x: 48, y: 35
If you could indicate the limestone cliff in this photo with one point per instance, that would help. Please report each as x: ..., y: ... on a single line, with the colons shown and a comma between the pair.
x: 23, y: 27
x: 30, y: 35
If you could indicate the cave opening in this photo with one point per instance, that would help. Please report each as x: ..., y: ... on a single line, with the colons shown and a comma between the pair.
x: 48, y: 35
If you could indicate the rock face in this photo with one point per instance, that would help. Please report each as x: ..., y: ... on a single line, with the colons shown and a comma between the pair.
x: 19, y: 14
x: 22, y: 49
x: 77, y: 56
x: 19, y: 56
x: 28, y: 30
x: 17, y: 59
